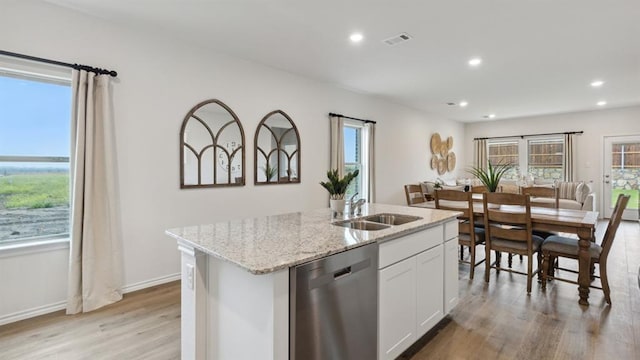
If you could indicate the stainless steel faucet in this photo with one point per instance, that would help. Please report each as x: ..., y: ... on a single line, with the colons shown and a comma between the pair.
x: 355, y: 208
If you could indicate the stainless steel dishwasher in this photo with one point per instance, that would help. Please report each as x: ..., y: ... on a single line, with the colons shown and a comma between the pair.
x: 333, y: 308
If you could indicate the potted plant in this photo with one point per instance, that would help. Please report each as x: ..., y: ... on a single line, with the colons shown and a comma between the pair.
x: 490, y: 177
x: 269, y: 172
x: 337, y: 187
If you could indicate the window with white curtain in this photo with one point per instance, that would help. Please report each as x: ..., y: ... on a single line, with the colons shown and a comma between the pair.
x: 540, y: 158
x: 35, y: 108
x: 355, y: 157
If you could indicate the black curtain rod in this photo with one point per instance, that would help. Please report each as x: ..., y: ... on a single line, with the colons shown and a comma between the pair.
x: 523, y: 136
x: 352, y: 118
x: 60, y: 63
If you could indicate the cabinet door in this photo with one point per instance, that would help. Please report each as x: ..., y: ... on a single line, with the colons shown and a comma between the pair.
x: 429, y: 289
x: 396, y: 308
x: 450, y: 275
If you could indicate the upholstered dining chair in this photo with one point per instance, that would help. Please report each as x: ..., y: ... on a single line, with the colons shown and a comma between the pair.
x: 469, y: 235
x: 558, y: 246
x: 414, y: 194
x: 542, y: 196
x: 507, y: 224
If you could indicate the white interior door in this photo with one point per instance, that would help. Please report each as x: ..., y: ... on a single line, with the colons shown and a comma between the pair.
x: 621, y: 173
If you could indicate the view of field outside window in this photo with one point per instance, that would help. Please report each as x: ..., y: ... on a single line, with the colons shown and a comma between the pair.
x: 625, y: 173
x: 505, y: 152
x: 34, y: 158
x: 353, y: 159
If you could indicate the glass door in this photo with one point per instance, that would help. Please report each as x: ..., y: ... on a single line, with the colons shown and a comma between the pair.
x: 622, y: 173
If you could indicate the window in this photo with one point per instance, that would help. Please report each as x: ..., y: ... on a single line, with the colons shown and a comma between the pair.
x: 546, y: 159
x: 505, y: 152
x: 355, y: 157
x: 542, y: 157
x: 35, y: 107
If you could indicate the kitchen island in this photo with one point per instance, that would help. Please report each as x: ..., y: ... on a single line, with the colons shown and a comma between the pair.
x: 235, y: 278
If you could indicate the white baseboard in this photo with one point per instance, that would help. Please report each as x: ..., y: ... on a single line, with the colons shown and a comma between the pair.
x: 151, y: 282
x: 33, y: 312
x: 45, y: 309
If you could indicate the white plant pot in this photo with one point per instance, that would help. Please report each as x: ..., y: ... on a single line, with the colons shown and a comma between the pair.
x: 337, y: 205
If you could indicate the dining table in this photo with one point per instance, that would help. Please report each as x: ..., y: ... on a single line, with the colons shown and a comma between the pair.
x: 579, y: 222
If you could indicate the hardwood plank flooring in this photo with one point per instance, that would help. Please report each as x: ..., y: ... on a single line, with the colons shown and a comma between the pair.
x: 497, y: 320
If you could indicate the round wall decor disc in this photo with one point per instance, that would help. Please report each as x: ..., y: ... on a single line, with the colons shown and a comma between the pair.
x: 450, y: 142
x: 451, y: 161
x: 435, y: 143
x: 434, y: 162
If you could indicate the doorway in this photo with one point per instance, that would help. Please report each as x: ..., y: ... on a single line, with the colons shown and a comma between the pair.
x: 621, y: 173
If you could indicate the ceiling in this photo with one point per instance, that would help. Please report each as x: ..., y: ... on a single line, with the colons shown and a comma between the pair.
x: 539, y: 56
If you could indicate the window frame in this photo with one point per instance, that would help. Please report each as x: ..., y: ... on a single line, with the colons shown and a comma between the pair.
x: 364, y: 156
x: 44, y: 73
x: 523, y: 152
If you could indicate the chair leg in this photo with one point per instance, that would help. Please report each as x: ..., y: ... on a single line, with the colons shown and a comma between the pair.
x: 510, y: 260
x: 543, y: 268
x: 539, y: 257
x: 529, y: 273
x: 461, y: 252
x: 472, y: 253
x: 520, y: 258
x: 605, y: 282
x: 487, y: 262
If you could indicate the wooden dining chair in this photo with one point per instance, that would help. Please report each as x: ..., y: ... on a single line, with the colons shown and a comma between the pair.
x: 558, y: 246
x: 507, y: 223
x: 542, y: 196
x: 479, y: 189
x: 469, y: 234
x: 414, y: 194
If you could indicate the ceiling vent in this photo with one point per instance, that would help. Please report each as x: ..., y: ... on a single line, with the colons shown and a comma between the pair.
x: 397, y: 39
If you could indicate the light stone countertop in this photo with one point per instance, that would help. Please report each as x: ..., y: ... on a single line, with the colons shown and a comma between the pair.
x: 270, y: 243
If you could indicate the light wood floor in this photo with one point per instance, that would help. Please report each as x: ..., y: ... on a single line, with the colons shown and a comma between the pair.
x: 493, y: 321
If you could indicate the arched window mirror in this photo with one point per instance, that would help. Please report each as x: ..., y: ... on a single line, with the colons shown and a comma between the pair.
x: 277, y: 150
x: 211, y: 147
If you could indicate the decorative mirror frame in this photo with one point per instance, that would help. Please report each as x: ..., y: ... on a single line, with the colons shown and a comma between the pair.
x: 191, y: 116
x: 278, y: 149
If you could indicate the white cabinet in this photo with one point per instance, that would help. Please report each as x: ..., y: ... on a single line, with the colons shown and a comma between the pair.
x: 418, y: 286
x: 450, y: 275
x: 397, y: 308
x: 450, y: 266
x: 429, y: 289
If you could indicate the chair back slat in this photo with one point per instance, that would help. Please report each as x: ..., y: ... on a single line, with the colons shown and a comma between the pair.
x: 508, y: 216
x: 614, y: 223
x: 414, y: 194
x: 458, y: 201
x: 544, y: 192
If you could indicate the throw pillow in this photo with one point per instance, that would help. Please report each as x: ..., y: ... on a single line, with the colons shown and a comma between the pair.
x: 582, y: 191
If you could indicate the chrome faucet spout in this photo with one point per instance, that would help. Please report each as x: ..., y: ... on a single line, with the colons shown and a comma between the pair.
x: 352, y: 197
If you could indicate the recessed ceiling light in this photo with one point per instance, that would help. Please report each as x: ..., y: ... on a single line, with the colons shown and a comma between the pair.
x: 490, y: 116
x: 597, y: 83
x: 463, y: 103
x: 356, y: 37
x: 601, y: 103
x: 475, y: 61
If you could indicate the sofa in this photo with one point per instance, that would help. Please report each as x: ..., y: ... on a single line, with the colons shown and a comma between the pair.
x: 577, y: 195
x: 572, y: 195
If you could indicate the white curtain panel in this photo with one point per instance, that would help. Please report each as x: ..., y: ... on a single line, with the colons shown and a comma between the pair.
x: 95, y: 261
x: 480, y: 153
x: 568, y: 157
x: 371, y: 132
x: 337, y: 144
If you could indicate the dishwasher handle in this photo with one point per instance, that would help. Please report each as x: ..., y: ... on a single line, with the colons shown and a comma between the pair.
x: 341, y: 273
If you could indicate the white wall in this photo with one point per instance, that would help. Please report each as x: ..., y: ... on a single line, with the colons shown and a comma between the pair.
x: 588, y: 147
x: 160, y: 79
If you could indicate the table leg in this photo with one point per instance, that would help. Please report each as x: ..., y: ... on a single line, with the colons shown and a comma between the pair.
x: 584, y: 263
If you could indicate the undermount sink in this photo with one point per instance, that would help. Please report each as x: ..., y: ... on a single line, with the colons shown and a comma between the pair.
x: 377, y: 221
x: 392, y: 219
x: 361, y: 225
